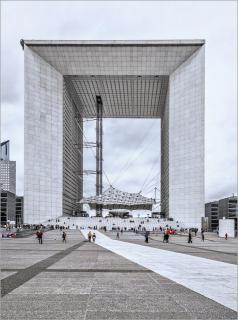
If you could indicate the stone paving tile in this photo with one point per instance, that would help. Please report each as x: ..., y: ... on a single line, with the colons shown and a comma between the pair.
x: 135, y: 315
x: 96, y: 259
x: 130, y: 283
x: 54, y: 274
x: 130, y: 303
x: 56, y: 285
x: 47, y: 306
x: 19, y: 261
x: 198, y: 304
x: 139, y: 275
x: 128, y: 291
x: 12, y: 282
x: 43, y: 315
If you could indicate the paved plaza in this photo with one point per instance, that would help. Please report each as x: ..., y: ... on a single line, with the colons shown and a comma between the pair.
x: 81, y: 280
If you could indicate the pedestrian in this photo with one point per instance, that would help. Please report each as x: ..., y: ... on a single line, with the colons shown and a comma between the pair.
x: 164, y: 238
x: 40, y: 236
x: 64, y: 237
x: 147, y: 237
x: 94, y: 237
x: 117, y: 234
x: 89, y: 236
x: 37, y: 235
x: 226, y: 236
x: 202, y: 233
x: 190, y: 237
x: 167, y: 237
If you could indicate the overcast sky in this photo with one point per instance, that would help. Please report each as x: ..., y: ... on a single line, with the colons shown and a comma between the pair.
x: 131, y: 146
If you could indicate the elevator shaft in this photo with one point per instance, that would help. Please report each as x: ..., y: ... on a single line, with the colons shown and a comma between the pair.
x: 99, y: 153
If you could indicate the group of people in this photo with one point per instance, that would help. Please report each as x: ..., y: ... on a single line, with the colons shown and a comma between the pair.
x: 39, y: 236
x: 166, y: 236
x: 91, y: 236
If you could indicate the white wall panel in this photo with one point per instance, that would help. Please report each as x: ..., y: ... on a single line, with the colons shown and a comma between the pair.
x: 43, y: 136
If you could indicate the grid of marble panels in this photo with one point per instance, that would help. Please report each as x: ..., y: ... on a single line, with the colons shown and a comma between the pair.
x: 122, y: 96
x: 186, y: 140
x: 72, y: 154
x: 165, y: 158
x: 8, y: 175
x: 115, y: 60
x: 43, y: 133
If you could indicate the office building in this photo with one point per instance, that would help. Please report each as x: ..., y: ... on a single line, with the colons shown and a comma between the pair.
x: 223, y: 208
x: 5, y: 150
x: 8, y: 175
x: 8, y: 207
x: 135, y: 79
x: 19, y: 210
x: 212, y: 213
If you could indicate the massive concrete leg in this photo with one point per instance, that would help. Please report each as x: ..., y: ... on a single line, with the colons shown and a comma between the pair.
x: 182, y: 145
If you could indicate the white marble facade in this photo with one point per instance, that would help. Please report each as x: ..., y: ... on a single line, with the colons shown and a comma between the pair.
x: 43, y: 153
x: 49, y: 63
x: 184, y: 142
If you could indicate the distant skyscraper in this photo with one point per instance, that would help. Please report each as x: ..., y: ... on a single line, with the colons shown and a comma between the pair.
x: 7, y: 185
x: 5, y: 150
x: 7, y: 169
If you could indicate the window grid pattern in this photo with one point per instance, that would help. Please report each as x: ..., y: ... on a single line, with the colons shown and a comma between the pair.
x: 8, y: 175
x: 122, y: 96
x: 116, y: 60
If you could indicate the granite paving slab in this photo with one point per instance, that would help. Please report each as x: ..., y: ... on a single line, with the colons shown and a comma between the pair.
x: 88, y: 282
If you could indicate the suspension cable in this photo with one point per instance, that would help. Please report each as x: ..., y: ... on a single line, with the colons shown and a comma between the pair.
x: 132, y: 158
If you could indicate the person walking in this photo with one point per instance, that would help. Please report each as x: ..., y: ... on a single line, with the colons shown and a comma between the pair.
x: 226, y: 236
x: 118, y: 234
x: 94, y: 237
x: 167, y: 237
x: 202, y: 233
x: 40, y: 236
x: 147, y: 236
x: 89, y: 236
x: 64, y: 237
x: 190, y: 237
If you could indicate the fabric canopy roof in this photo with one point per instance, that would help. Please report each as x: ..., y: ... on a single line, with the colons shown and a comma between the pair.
x: 113, y: 198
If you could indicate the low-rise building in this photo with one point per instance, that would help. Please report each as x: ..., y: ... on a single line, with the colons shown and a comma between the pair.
x: 19, y: 210
x: 8, y: 207
x: 219, y: 209
x: 228, y: 207
x: 212, y: 213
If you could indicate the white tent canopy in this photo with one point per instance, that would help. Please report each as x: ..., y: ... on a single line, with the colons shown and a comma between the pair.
x: 113, y: 198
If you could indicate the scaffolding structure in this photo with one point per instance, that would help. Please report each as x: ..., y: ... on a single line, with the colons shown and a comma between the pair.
x: 99, y: 153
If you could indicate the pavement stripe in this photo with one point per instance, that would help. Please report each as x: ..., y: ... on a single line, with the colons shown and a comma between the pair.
x: 12, y: 282
x: 88, y: 270
x: 215, y: 280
